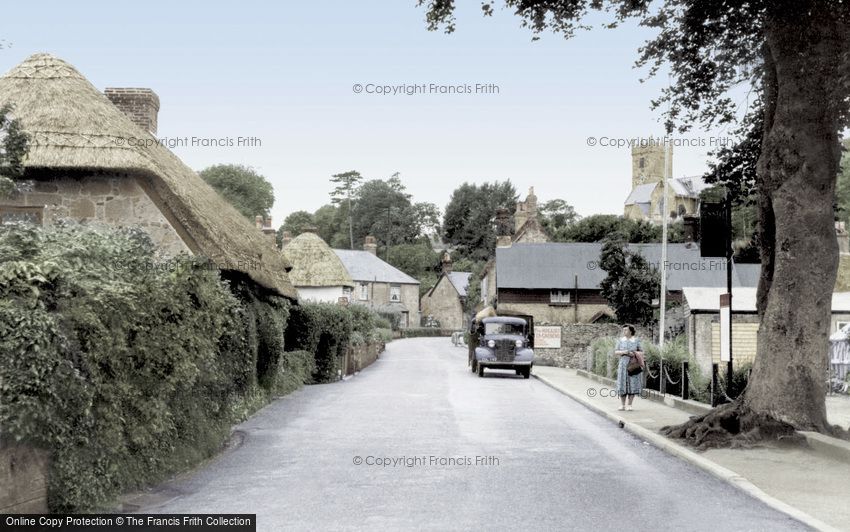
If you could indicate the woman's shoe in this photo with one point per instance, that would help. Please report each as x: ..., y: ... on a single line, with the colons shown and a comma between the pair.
x: 629, y: 408
x: 621, y: 408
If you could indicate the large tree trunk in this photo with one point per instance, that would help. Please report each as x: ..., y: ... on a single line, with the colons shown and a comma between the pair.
x: 797, y: 170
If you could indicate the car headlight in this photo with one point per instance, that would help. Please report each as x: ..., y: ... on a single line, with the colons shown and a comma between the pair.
x: 491, y: 343
x: 519, y: 343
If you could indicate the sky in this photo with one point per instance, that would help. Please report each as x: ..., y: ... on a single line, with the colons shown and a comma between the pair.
x: 284, y: 76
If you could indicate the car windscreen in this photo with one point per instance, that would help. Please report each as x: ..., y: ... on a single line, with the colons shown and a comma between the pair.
x: 503, y: 328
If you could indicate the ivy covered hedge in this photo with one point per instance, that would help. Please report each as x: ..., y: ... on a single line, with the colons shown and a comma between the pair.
x: 125, y: 367
x: 325, y: 330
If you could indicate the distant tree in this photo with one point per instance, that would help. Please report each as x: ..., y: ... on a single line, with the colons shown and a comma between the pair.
x: 14, y: 146
x: 328, y: 220
x: 468, y: 222
x: 556, y: 215
x: 345, y: 192
x: 417, y: 260
x: 631, y: 282
x: 598, y: 227
x: 245, y: 189
x: 295, y: 224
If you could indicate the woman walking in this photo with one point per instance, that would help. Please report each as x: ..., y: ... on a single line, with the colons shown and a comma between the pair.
x: 628, y: 349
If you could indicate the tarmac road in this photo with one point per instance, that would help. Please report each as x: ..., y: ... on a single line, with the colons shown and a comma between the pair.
x: 416, y: 441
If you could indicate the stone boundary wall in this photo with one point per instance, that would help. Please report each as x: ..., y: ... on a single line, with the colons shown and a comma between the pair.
x: 361, y: 356
x: 575, y: 341
x: 23, y: 477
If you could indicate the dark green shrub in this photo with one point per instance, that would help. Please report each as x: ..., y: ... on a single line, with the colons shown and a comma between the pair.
x: 334, y: 338
x: 124, y: 367
x: 296, y: 370
x: 304, y: 328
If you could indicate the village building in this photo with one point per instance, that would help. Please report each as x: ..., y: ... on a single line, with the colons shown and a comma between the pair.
x: 317, y: 272
x: 446, y: 301
x: 94, y: 159
x: 559, y: 283
x: 379, y: 285
x: 702, y: 312
x: 645, y: 200
x: 523, y: 228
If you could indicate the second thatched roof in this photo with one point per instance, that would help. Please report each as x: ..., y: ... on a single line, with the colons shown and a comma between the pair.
x: 73, y: 126
x: 314, y: 263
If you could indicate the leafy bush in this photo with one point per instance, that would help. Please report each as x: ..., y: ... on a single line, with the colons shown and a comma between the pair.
x: 601, y: 350
x: 323, y: 329
x: 382, y: 323
x: 392, y: 317
x: 126, y: 368
x: 296, y: 370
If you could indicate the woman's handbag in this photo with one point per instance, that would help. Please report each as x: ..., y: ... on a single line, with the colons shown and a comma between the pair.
x: 634, y: 366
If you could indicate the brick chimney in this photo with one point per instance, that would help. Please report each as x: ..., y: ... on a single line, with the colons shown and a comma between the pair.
x: 526, y: 210
x: 140, y: 105
x: 446, y: 262
x: 269, y: 231
x: 371, y: 245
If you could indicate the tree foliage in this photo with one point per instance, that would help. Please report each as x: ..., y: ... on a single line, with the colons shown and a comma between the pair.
x: 14, y: 146
x: 630, y: 284
x: 598, y: 227
x: 245, y: 189
x: 468, y: 223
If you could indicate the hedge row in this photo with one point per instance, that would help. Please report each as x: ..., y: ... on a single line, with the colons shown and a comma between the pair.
x: 125, y: 368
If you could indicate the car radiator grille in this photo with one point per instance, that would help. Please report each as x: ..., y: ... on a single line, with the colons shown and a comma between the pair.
x: 505, y: 351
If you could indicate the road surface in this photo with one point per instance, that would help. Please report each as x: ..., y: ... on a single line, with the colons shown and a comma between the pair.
x: 416, y: 441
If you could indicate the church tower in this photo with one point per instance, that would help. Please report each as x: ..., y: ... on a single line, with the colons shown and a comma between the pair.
x: 648, y: 164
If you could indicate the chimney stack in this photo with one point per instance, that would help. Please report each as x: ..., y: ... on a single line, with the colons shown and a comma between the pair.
x: 371, y: 245
x: 446, y: 262
x: 140, y: 105
x: 269, y: 231
x: 285, y: 239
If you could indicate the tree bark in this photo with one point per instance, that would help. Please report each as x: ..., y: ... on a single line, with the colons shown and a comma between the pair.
x: 804, y: 43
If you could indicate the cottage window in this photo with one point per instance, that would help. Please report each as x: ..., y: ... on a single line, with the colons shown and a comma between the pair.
x: 14, y: 213
x: 395, y: 294
x: 363, y: 291
x: 346, y: 292
x: 840, y: 325
x: 559, y: 296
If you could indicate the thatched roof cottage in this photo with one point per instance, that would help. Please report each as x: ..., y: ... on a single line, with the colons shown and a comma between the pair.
x: 94, y: 157
x: 317, y: 272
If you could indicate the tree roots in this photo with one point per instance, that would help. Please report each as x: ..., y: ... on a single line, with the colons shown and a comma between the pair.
x: 732, y: 425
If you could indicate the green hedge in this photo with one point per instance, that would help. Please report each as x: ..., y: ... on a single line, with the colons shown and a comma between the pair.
x: 125, y: 368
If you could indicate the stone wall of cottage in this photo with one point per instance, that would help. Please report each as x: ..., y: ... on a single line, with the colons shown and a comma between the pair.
x: 443, y: 304
x: 114, y: 200
x: 575, y: 339
x: 379, y: 295
x: 23, y: 475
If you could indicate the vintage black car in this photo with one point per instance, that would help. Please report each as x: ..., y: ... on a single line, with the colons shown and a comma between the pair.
x: 503, y: 343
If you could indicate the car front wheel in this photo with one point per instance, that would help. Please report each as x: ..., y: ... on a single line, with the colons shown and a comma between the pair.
x: 526, y: 373
x: 480, y: 370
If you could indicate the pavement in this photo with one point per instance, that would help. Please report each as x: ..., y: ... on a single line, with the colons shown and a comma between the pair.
x: 418, y: 442
x: 809, y: 483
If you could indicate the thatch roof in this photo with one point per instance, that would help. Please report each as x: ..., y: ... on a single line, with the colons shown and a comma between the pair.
x: 73, y: 126
x: 314, y: 263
